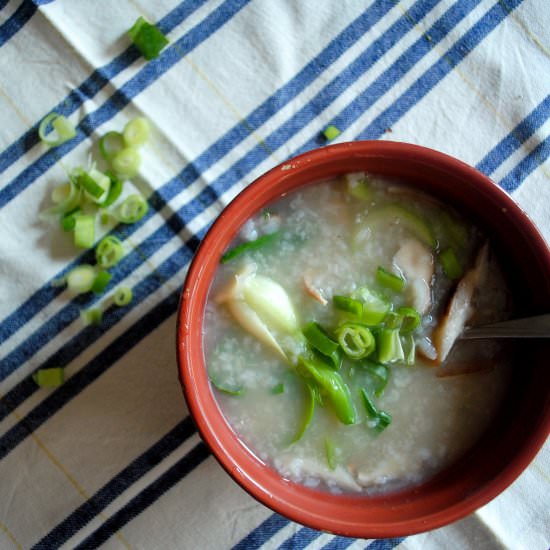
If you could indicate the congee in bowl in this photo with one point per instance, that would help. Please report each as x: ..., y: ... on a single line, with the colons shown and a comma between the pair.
x: 330, y: 331
x: 318, y: 339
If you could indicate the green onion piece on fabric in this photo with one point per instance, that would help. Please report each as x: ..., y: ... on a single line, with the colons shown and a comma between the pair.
x: 409, y: 349
x: 114, y: 190
x: 63, y: 129
x: 101, y: 281
x: 389, y: 346
x: 349, y: 305
x: 260, y: 242
x: 131, y: 209
x: 382, y: 418
x: 80, y: 279
x: 451, y: 265
x: 109, y: 251
x: 379, y: 373
x: 375, y: 307
x: 147, y: 38
x: 92, y: 316
x: 126, y: 162
x: 318, y: 339
x: 49, y: 378
x: 389, y: 280
x: 122, y: 296
x: 356, y: 340
x: 85, y: 182
x: 226, y: 388
x: 411, y: 319
x: 330, y: 451
x: 84, y: 231
x: 136, y: 132
x: 110, y: 144
x: 307, y: 416
x: 278, y: 389
x: 331, y: 132
x: 68, y: 220
x: 66, y: 197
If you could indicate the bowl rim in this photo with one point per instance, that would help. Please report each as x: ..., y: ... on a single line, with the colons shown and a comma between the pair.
x: 191, y: 377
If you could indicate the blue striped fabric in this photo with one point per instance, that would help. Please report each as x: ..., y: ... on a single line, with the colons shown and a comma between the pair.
x: 363, y: 86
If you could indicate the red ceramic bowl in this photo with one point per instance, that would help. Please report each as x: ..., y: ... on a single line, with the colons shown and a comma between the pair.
x: 517, y: 432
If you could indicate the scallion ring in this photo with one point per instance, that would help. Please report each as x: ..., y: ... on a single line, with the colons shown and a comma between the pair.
x: 122, y: 296
x: 126, y: 162
x: 136, y: 132
x: 356, y: 340
x: 84, y: 231
x: 110, y: 144
x: 131, y: 209
x: 80, y: 279
x: 63, y: 128
x: 109, y: 251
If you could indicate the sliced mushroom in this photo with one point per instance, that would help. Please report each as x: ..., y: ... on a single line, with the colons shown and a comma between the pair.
x: 460, y: 308
x: 416, y: 263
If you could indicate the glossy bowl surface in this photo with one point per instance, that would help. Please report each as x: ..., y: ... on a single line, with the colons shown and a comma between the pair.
x: 517, y: 432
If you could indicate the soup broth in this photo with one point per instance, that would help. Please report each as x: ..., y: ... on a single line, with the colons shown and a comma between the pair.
x: 329, y: 333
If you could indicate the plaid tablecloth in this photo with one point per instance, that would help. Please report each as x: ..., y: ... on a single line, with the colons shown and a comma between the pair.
x: 111, y: 458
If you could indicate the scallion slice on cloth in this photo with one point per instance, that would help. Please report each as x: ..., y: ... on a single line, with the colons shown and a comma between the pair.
x: 147, y: 38
x: 122, y: 296
x: 383, y: 419
x: 114, y: 190
x: 66, y: 198
x: 101, y: 280
x: 80, y: 279
x: 92, y: 316
x: 389, y: 280
x: 49, y: 378
x: 331, y: 132
x: 131, y: 209
x: 260, y: 242
x: 109, y: 251
x: 68, y: 220
x: 63, y: 130
x: 126, y: 162
x: 136, y: 132
x: 84, y: 231
x: 110, y: 144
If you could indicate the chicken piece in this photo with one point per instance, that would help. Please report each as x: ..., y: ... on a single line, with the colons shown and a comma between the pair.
x: 416, y: 262
x: 460, y: 308
x: 312, y: 291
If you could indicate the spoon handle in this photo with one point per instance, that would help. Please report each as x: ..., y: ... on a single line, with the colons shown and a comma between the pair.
x: 530, y: 327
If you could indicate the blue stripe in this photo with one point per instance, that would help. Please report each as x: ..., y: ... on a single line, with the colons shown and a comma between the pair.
x: 519, y: 135
x: 272, y: 525
x: 385, y: 544
x: 146, y: 497
x: 300, y: 539
x: 532, y: 161
x: 3, y: 4
x: 16, y: 22
x: 221, y: 182
x: 98, y: 79
x: 124, y: 95
x: 339, y: 543
x: 117, y: 485
x: 232, y: 138
x: 438, y: 71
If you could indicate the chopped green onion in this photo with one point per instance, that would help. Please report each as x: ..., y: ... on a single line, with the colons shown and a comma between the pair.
x: 330, y: 450
x: 382, y: 418
x: 349, y: 305
x: 101, y: 281
x: 393, y: 320
x: 331, y: 132
x: 49, y: 378
x: 114, y: 190
x: 84, y: 231
x: 389, y: 346
x: 92, y: 316
x: 229, y: 390
x: 68, y: 220
x: 109, y: 251
x: 375, y: 307
x: 260, y: 242
x: 126, y: 162
x: 356, y: 340
x: 64, y: 130
x: 136, y: 132
x: 122, y: 296
x: 147, y: 38
x: 450, y: 264
x: 80, y: 279
x: 278, y: 389
x: 320, y: 341
x: 409, y: 349
x: 110, y: 144
x: 309, y: 409
x: 358, y: 186
x: 380, y: 373
x: 411, y: 319
x: 66, y: 198
x: 390, y: 280
x: 131, y: 209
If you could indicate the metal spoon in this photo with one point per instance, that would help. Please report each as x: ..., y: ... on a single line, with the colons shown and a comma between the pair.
x: 530, y: 327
